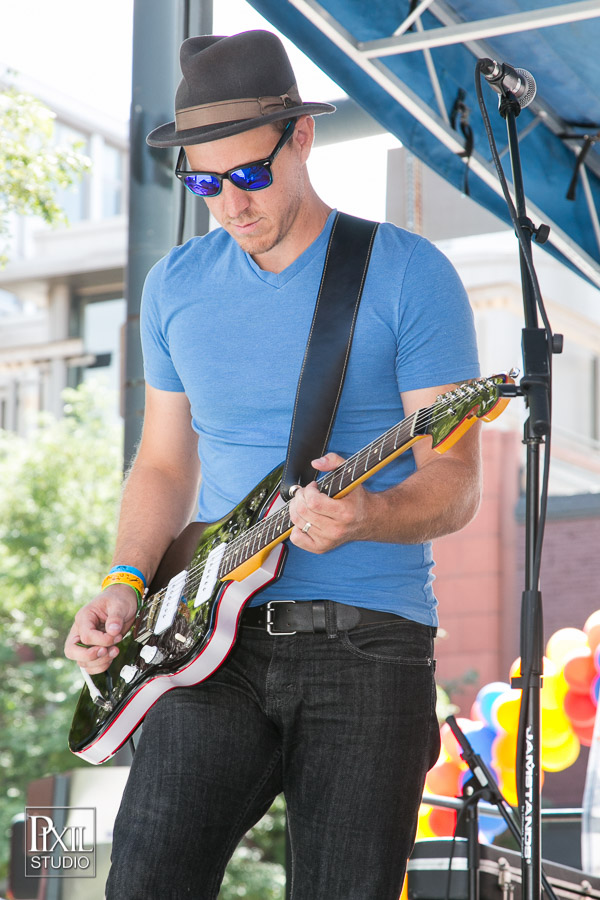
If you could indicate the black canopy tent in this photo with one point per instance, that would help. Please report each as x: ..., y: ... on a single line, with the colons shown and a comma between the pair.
x: 408, y: 62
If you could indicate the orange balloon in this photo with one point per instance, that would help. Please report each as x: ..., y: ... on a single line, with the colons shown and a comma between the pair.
x: 579, y: 670
x: 580, y: 709
x: 563, y: 642
x: 443, y: 778
x: 556, y: 759
x: 442, y: 821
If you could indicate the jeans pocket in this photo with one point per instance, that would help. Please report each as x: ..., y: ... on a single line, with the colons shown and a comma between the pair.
x: 403, y: 643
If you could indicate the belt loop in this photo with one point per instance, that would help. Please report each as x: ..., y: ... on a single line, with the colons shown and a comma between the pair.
x: 318, y: 616
x: 331, y: 619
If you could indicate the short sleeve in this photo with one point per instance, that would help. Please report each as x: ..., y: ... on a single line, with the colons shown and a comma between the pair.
x: 159, y: 370
x: 436, y: 332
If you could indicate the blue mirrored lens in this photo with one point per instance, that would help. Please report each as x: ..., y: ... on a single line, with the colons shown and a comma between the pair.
x: 251, y: 178
x: 204, y: 184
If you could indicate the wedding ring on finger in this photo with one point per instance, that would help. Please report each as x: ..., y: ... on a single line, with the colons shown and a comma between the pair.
x: 307, y: 527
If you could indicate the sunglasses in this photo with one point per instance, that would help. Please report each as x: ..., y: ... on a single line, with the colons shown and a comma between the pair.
x: 253, y: 176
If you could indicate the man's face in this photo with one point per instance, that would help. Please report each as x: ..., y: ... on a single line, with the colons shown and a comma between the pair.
x: 258, y: 220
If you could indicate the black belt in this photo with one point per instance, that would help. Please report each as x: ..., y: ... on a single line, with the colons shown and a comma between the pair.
x: 288, y: 617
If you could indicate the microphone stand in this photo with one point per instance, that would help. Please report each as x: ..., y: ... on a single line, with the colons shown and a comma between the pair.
x: 537, y: 346
x: 483, y: 786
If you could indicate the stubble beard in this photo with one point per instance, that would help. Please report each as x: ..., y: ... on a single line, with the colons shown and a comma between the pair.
x: 277, y: 229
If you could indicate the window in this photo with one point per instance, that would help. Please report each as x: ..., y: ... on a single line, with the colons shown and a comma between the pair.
x: 74, y: 199
x: 113, y: 165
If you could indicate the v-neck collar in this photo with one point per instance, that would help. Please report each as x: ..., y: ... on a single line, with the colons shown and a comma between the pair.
x: 279, y: 279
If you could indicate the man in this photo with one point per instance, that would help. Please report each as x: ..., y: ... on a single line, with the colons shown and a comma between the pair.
x: 340, y: 718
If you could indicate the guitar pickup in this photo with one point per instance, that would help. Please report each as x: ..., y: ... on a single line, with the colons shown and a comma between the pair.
x: 210, y: 575
x: 170, y: 602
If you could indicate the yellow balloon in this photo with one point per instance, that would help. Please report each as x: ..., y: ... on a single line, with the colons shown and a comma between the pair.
x: 556, y: 727
x: 505, y: 710
x: 555, y: 759
x: 423, y: 828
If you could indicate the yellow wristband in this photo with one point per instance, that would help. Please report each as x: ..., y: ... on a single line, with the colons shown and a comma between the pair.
x: 125, y: 578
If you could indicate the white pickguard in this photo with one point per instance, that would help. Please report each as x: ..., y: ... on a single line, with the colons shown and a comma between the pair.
x: 213, y: 654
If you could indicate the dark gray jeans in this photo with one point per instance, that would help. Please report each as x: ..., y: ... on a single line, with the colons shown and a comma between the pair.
x: 343, y: 723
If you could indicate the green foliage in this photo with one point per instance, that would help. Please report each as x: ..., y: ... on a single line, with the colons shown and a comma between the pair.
x: 59, y: 492
x: 444, y: 706
x: 257, y: 869
x: 32, y: 166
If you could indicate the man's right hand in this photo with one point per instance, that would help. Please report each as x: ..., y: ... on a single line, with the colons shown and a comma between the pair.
x: 100, y: 626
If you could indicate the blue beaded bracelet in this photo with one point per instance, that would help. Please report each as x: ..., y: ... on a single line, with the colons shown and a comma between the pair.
x: 130, y: 569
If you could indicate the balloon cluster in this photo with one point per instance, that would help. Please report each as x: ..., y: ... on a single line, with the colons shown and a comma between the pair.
x: 569, y: 698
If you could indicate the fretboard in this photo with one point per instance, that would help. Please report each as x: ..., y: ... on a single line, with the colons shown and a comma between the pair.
x: 275, y: 527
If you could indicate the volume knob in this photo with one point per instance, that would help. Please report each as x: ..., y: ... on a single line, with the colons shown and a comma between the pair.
x: 128, y: 673
x: 151, y: 654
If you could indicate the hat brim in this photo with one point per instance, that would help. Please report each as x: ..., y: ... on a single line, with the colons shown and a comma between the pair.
x: 168, y: 136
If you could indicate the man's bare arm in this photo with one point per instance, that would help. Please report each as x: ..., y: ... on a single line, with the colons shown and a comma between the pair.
x: 440, y: 497
x: 158, y: 501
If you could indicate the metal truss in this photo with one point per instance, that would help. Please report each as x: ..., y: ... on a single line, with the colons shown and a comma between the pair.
x: 369, y: 56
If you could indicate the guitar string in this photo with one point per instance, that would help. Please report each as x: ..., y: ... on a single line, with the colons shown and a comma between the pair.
x: 194, y: 575
x: 433, y: 413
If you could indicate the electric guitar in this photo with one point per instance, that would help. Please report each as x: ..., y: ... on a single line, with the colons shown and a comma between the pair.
x: 188, y: 620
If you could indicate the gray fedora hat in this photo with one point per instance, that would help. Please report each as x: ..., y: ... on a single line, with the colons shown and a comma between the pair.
x: 230, y: 85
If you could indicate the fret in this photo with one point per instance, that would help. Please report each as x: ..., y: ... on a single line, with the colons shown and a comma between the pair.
x: 343, y: 476
x: 255, y: 535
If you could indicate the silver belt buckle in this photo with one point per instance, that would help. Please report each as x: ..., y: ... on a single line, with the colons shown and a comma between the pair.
x: 270, y: 615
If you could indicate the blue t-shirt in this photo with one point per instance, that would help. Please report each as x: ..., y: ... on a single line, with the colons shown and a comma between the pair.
x: 232, y: 336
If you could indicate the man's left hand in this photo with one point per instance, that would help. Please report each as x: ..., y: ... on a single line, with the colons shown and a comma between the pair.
x: 332, y: 522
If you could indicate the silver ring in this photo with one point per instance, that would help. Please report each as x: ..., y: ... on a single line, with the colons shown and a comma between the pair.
x: 307, y: 527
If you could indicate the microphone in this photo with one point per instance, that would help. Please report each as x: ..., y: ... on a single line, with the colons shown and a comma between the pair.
x: 503, y: 77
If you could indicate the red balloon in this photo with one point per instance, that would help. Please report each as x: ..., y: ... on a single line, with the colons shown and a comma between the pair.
x: 579, y: 670
x: 585, y: 735
x: 442, y: 821
x: 580, y: 709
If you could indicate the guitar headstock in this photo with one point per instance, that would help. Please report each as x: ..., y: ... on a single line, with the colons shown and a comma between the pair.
x: 457, y: 410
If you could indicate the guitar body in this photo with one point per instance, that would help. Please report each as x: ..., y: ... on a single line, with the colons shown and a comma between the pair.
x: 188, y: 621
x: 197, y: 641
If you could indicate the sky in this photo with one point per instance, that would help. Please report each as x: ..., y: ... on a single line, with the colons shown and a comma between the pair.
x: 84, y: 48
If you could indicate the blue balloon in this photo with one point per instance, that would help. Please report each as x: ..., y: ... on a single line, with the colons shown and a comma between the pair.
x: 490, y: 827
x: 481, y: 741
x: 485, y: 699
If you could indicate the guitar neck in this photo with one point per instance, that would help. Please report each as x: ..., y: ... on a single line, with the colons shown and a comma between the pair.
x: 446, y: 420
x: 277, y: 527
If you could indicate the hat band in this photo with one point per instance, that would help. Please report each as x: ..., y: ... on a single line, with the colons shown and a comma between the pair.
x: 234, y: 110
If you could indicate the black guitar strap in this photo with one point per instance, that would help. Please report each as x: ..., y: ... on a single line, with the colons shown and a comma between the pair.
x: 328, y: 347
